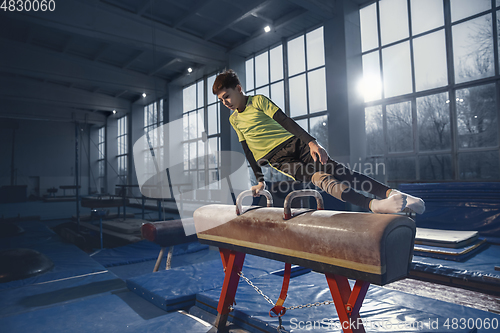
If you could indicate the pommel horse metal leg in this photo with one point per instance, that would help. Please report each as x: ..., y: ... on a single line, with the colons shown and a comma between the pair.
x: 232, y: 262
x: 348, y: 302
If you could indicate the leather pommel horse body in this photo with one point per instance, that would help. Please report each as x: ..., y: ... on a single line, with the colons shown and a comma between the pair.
x: 371, y: 248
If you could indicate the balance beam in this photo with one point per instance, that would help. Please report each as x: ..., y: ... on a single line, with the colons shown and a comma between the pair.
x: 371, y: 248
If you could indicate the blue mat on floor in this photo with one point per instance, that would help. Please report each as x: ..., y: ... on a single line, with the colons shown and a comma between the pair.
x: 459, y: 206
x: 479, y: 268
x: 36, y: 296
x: 176, y: 288
x: 69, y: 261
x: 385, y: 310
x: 141, y: 268
x: 108, y: 314
x: 141, y: 251
x: 34, y: 233
x: 446, y: 253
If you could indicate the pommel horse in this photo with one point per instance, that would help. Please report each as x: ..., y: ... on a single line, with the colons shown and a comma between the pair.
x: 370, y: 248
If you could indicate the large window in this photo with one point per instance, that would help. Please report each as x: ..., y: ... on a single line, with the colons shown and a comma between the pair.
x: 153, y: 118
x: 292, y: 75
x: 201, y: 140
x: 122, y: 149
x: 430, y: 85
x: 213, y: 135
x: 101, y: 160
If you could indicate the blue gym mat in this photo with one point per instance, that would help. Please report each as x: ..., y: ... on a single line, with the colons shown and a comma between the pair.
x: 459, y: 206
x: 141, y: 251
x: 34, y: 233
x: 37, y: 296
x: 120, y: 312
x: 385, y: 310
x: 177, y: 287
x: 479, y: 268
x: 454, y: 254
x: 69, y: 261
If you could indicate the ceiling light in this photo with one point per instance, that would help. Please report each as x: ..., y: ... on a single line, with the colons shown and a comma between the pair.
x: 144, y: 95
x: 190, y: 70
x: 267, y: 28
x: 114, y: 111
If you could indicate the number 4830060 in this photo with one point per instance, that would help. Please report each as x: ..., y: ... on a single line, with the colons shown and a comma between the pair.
x: 28, y: 5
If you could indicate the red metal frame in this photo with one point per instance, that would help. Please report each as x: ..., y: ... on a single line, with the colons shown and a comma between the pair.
x: 232, y: 262
x: 347, y: 301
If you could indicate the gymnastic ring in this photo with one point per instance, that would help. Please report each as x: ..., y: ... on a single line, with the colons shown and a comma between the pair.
x: 249, y: 193
x: 287, y: 213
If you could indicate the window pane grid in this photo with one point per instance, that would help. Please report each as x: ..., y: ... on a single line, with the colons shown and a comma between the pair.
x: 196, y: 152
x: 423, y: 137
x: 122, y: 149
x: 306, y: 79
x: 101, y: 162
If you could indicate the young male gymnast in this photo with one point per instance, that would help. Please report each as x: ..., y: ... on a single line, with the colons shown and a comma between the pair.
x: 269, y: 136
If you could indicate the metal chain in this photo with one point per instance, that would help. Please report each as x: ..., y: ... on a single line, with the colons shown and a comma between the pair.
x: 309, y: 305
x: 268, y: 299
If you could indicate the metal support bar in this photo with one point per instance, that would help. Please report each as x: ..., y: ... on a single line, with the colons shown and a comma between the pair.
x: 158, y: 261
x: 348, y: 302
x: 168, y: 265
x: 233, y: 264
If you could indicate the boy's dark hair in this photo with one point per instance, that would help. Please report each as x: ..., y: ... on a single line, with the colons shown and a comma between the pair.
x: 225, y: 80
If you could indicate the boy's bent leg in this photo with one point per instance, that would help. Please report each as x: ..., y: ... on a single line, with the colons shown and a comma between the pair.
x: 393, y: 201
x: 360, y: 182
x: 340, y: 190
x: 329, y: 184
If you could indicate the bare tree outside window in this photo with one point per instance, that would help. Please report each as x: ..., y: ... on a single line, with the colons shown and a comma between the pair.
x: 374, y: 130
x: 433, y: 121
x: 477, y: 117
x: 399, y: 127
x: 435, y: 167
x: 450, y: 86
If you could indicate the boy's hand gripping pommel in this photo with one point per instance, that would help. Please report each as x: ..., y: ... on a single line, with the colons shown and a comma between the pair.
x: 257, y: 188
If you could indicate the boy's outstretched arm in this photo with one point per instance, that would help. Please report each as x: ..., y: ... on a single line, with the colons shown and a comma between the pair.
x: 317, y: 152
x: 257, y: 171
x: 291, y: 126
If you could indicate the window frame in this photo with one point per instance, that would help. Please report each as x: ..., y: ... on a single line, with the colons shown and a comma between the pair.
x: 450, y: 88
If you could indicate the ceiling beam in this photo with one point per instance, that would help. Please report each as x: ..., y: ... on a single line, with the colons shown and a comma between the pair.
x: 134, y: 58
x: 248, y: 13
x: 145, y: 6
x: 12, y: 109
x: 283, y: 21
x: 194, y: 8
x: 317, y: 7
x: 67, y: 44
x: 32, y: 91
x: 121, y: 93
x: 162, y: 67
x: 102, y: 51
x: 110, y: 24
x: 263, y: 18
x: 33, y: 61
